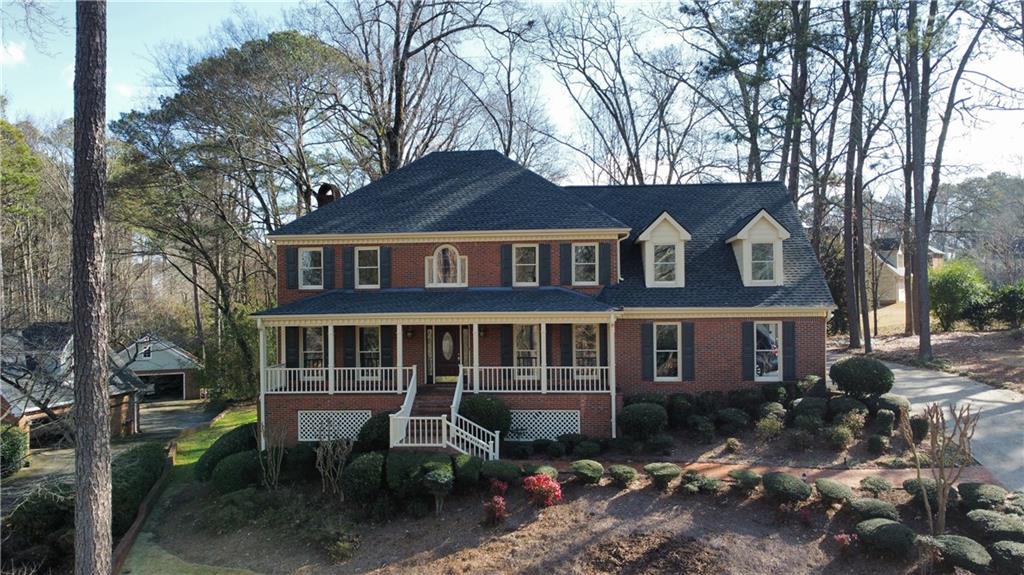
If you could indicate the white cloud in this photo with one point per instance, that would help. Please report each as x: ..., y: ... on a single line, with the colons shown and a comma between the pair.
x: 126, y: 90
x: 12, y: 54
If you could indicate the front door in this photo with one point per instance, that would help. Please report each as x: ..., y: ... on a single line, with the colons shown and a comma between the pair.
x: 446, y: 353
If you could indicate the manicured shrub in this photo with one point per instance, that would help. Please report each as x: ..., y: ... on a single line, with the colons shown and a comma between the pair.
x: 927, y: 486
x: 838, y: 437
x: 236, y: 471
x: 951, y: 287
x: 540, y: 445
x: 586, y: 449
x: 980, y: 311
x: 622, y: 475
x: 658, y: 398
x: 962, y: 552
x: 785, y: 488
x: 587, y: 470
x: 661, y: 444
x: 662, y: 473
x: 1008, y: 557
x: 467, y: 471
x: 500, y: 470
x: 299, y: 464
x: 642, y: 421
x: 556, y: 449
x: 843, y: 404
x: 775, y: 393
x: 808, y: 423
x: 800, y: 440
x: 995, y: 526
x: 242, y: 438
x: 693, y: 483
x: 702, y: 427
x: 768, y: 428
x: 772, y: 409
x: 487, y: 411
x: 749, y: 400
x: 884, y: 422
x: 893, y: 402
x: 540, y: 469
x: 517, y: 449
x: 363, y: 478
x: 919, y: 427
x: 875, y: 485
x: 887, y: 537
x: 981, y: 496
x: 679, y: 409
x: 404, y: 471
x: 813, y: 406
x: 707, y: 403
x: 812, y: 386
x: 733, y: 445
x: 132, y: 474
x: 1009, y: 304
x: 731, y: 420
x: 543, y: 491
x: 439, y: 482
x: 878, y: 444
x: 871, y: 508
x: 571, y: 440
x: 375, y: 434
x: 746, y: 480
x: 13, y: 450
x: 860, y: 376
x: 852, y: 420
x: 832, y: 491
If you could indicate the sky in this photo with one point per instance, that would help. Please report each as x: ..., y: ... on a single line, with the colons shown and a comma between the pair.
x: 36, y: 78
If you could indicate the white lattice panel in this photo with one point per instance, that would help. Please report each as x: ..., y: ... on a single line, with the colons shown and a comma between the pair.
x: 325, y: 425
x: 543, y: 423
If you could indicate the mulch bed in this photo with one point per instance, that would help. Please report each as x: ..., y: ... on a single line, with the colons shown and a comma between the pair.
x: 653, y: 553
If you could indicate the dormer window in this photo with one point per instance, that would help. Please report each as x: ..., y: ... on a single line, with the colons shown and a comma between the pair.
x: 446, y: 268
x: 664, y: 263
x: 311, y: 268
x: 664, y: 244
x: 762, y: 262
x: 758, y: 250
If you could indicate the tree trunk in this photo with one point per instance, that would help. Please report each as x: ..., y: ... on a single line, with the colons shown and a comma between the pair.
x: 89, y: 307
x: 801, y: 20
x: 850, y: 236
x: 197, y: 311
x: 919, y: 118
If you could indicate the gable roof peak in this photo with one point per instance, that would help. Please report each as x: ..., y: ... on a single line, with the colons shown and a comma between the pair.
x: 758, y: 216
x: 664, y: 217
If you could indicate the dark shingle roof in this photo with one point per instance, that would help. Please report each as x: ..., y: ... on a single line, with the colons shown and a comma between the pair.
x: 887, y: 244
x: 471, y: 300
x: 453, y: 191
x: 709, y: 212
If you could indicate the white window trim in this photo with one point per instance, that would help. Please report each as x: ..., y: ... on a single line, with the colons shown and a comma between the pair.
x: 536, y: 265
x: 679, y: 352
x: 776, y: 262
x: 311, y: 376
x: 597, y: 349
x: 301, y: 275
x: 430, y: 269
x: 357, y: 267
x: 359, y: 350
x: 531, y: 372
x: 778, y: 339
x: 680, y: 261
x: 597, y: 264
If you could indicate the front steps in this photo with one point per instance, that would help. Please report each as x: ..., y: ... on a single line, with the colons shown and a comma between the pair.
x: 433, y: 400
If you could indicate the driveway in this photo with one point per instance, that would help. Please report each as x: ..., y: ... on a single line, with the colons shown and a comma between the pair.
x: 160, y: 421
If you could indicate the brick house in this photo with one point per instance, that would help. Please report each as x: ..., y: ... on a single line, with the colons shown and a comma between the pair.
x: 465, y: 273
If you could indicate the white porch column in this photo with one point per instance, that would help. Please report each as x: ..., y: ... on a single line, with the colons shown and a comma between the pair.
x: 263, y: 382
x: 476, y: 357
x: 330, y: 360
x: 399, y: 360
x: 611, y: 369
x: 543, y: 358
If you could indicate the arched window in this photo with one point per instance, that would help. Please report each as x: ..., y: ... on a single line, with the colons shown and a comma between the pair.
x: 446, y: 267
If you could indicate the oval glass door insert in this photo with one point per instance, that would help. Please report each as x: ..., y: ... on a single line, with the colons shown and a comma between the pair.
x: 447, y: 346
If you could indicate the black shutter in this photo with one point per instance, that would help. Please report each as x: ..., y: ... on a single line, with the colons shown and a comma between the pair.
x: 291, y: 267
x: 544, y: 263
x: 506, y: 265
x: 348, y: 267
x: 506, y: 345
x: 689, y: 367
x: 605, y: 263
x: 565, y: 264
x: 291, y: 347
x: 328, y: 267
x: 549, y: 353
x: 348, y: 345
x: 647, y: 351
x: 385, y: 267
x: 602, y: 343
x: 789, y: 351
x: 747, y: 361
x: 566, y: 344
x: 387, y: 346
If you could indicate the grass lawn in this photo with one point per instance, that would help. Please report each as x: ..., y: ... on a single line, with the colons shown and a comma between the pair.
x: 192, y: 446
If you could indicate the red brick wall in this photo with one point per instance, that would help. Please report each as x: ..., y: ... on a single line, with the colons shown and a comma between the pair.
x: 122, y: 412
x: 283, y: 409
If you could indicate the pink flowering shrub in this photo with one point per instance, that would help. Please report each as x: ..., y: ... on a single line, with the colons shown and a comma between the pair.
x: 495, y: 512
x: 845, y: 541
x: 543, y: 490
x: 498, y: 487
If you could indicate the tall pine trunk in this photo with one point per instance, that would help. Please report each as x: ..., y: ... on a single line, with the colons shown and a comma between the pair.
x: 919, y: 111
x: 89, y: 306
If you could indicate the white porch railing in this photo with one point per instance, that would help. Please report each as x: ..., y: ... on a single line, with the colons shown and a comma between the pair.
x: 465, y: 435
x: 551, y: 379
x: 280, y: 379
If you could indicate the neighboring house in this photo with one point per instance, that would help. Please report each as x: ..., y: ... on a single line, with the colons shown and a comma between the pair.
x: 888, y: 264
x: 165, y: 369
x: 464, y: 272
x: 37, y: 375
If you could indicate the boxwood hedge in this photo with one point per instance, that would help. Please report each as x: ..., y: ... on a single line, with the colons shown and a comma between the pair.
x: 242, y: 438
x: 785, y: 488
x: 887, y: 537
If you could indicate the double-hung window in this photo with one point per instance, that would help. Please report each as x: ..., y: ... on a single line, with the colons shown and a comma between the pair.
x: 526, y: 350
x: 525, y: 265
x: 312, y: 347
x: 667, y: 351
x: 584, y: 264
x: 584, y: 345
x: 762, y: 262
x: 367, y: 267
x: 368, y: 349
x: 311, y: 268
x: 767, y: 359
x: 664, y: 263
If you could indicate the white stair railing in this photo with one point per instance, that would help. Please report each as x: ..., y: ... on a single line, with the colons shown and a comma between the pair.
x: 399, y: 422
x: 465, y: 435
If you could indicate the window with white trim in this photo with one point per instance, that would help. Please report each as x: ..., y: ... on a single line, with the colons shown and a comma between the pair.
x: 312, y: 347
x: 311, y: 268
x: 367, y: 267
x: 762, y: 262
x: 446, y: 268
x: 665, y: 263
x: 584, y: 264
x: 368, y: 348
x: 585, y: 342
x: 667, y: 351
x: 525, y: 269
x: 767, y: 357
x: 526, y: 349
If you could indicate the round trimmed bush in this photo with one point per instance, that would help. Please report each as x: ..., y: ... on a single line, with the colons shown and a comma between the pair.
x: 467, y: 471
x: 540, y: 445
x: 501, y: 470
x: 236, y: 471
x: 886, y: 536
x: 1008, y: 557
x: 731, y: 420
x: 679, y: 409
x: 662, y: 473
x: 808, y: 423
x: 772, y: 409
x: 571, y: 440
x: 768, y: 428
x: 860, y: 376
x: 702, y: 427
x: 540, y: 469
x: 775, y: 393
x: 838, y: 437
x: 870, y: 508
x: 981, y: 496
x: 800, y: 440
x: 658, y: 398
x: 404, y: 471
x: 785, y: 488
x: 517, y: 449
x: 661, y: 444
x: 487, y: 411
x: 893, y: 402
x: 927, y: 486
x: 299, y: 464
x: 622, y: 475
x: 587, y: 470
x: 13, y: 450
x: 996, y: 526
x: 878, y: 444
x: 242, y: 438
x: 375, y: 434
x: 875, y: 485
x: 919, y: 427
x: 832, y: 491
x: 962, y: 552
x: 749, y: 400
x: 746, y: 479
x: 556, y: 449
x: 842, y: 404
x: 885, y: 420
x: 643, y: 421
x: 363, y: 478
x: 813, y: 406
x: 586, y: 449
